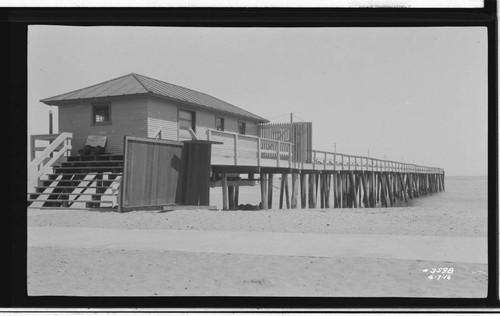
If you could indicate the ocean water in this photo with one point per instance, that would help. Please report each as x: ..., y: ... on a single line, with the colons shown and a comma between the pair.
x: 461, y: 192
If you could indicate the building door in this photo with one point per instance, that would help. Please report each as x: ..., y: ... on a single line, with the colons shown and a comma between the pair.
x: 187, y: 119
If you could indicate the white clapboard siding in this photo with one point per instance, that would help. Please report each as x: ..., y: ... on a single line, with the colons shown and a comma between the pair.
x: 162, y: 115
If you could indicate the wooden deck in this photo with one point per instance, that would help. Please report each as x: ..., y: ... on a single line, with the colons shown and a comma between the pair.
x: 252, y: 151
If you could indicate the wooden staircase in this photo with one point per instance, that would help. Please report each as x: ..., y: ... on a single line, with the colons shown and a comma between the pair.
x: 80, y: 182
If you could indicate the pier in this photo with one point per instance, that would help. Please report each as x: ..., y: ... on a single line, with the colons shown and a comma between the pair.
x: 328, y: 180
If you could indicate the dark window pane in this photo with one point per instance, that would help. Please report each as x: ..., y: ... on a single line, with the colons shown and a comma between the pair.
x: 101, y: 113
x: 242, y: 128
x: 219, y: 123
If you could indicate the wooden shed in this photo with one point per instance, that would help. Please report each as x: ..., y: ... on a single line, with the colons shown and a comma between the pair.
x: 139, y: 106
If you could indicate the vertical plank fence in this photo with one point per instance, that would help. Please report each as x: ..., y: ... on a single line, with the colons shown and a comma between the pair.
x: 152, y: 173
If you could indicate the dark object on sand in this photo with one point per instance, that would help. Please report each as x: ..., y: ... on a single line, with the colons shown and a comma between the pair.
x: 248, y: 207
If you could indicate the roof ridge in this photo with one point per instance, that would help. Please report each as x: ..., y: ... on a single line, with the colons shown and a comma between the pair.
x: 140, y: 81
x: 173, y: 84
x: 94, y: 85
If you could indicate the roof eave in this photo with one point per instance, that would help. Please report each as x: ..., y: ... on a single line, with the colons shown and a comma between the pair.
x: 256, y: 118
x: 82, y: 100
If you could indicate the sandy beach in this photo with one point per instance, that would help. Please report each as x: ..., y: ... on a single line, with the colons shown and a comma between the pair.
x: 459, y: 212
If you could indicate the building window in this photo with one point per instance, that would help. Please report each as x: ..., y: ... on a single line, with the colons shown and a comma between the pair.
x: 242, y: 128
x: 219, y: 123
x: 101, y: 113
x: 186, y: 120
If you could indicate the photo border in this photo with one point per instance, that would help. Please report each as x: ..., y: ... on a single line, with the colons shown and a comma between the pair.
x: 17, y: 21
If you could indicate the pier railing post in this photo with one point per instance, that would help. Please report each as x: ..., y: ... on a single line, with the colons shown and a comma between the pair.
x: 289, y: 155
x: 258, y: 151
x: 278, y: 154
x: 235, y: 149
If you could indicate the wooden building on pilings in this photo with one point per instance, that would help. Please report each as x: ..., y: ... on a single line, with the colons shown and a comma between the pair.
x: 165, y: 146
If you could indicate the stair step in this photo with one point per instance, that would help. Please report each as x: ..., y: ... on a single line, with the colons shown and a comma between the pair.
x: 72, y: 208
x: 88, y: 168
x: 90, y: 174
x: 104, y: 157
x: 77, y: 177
x: 70, y: 193
x: 73, y: 186
x: 69, y: 185
x: 68, y: 200
x: 93, y: 163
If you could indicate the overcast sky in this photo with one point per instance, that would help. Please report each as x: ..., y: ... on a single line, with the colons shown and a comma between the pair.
x: 417, y: 95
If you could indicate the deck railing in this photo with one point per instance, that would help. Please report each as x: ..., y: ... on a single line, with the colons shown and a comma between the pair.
x: 337, y: 161
x: 59, y: 146
x: 246, y: 150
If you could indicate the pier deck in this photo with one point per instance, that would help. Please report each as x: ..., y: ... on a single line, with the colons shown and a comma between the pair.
x: 340, y: 180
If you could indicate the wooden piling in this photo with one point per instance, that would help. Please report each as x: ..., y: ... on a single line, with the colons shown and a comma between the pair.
x: 390, y: 192
x: 328, y: 181
x: 354, y: 198
x: 335, y: 190
x: 236, y: 196
x: 373, y: 189
x: 264, y: 191
x: 303, y: 190
x: 312, y: 190
x: 282, y: 190
x: 364, y: 183
x: 403, y: 187
x: 287, y: 194
x: 270, y: 188
x: 341, y: 190
x: 224, y: 191
x: 383, y: 194
x: 295, y: 190
x: 231, y: 197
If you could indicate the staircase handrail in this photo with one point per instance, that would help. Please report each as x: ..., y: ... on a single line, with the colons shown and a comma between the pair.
x: 37, y: 167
